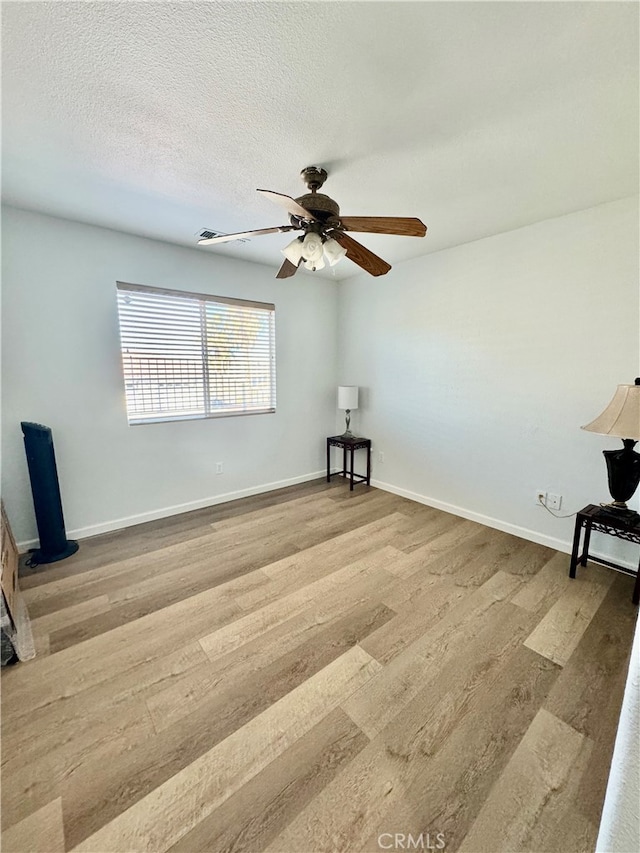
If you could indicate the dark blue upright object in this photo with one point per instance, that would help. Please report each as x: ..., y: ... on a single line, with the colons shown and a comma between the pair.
x: 54, y: 545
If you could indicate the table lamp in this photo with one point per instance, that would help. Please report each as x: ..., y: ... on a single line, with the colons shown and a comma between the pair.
x: 622, y: 419
x: 348, y: 400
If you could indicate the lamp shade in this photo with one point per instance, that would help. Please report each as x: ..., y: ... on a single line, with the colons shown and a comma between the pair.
x: 622, y: 416
x: 347, y: 396
x: 334, y: 252
x: 312, y: 247
x: 293, y: 251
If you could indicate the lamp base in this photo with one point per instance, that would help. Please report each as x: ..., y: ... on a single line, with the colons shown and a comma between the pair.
x: 347, y: 423
x: 619, y: 509
x: 623, y: 471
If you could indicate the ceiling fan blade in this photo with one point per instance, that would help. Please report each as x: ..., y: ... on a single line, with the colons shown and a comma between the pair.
x: 225, y: 238
x: 288, y: 269
x: 405, y: 226
x: 289, y: 204
x: 360, y: 255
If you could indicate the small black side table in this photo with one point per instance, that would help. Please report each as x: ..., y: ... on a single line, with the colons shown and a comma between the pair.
x: 350, y: 444
x: 604, y: 521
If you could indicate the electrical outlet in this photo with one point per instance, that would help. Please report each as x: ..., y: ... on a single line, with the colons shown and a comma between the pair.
x: 541, y: 498
x: 554, y: 501
x: 219, y: 467
x: 380, y: 456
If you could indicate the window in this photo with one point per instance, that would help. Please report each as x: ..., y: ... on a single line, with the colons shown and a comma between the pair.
x: 189, y: 355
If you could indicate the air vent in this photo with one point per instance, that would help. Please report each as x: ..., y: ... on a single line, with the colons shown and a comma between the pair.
x: 207, y: 233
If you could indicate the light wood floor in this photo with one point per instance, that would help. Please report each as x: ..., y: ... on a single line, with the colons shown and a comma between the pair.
x: 314, y: 670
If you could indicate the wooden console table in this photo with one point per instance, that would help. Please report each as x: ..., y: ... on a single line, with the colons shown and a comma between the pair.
x: 604, y: 521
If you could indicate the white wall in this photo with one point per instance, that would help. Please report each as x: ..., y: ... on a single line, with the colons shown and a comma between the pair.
x: 61, y: 367
x: 620, y: 825
x: 477, y: 366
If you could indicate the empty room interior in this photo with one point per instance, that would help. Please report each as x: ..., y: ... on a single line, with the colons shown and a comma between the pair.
x: 320, y: 394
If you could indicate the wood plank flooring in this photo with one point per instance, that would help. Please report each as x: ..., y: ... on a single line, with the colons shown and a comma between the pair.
x: 314, y: 670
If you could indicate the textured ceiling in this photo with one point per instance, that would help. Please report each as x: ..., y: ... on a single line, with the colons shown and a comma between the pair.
x: 161, y: 119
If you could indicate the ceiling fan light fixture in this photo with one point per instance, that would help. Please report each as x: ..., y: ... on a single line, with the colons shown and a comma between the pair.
x: 293, y: 251
x: 318, y: 217
x: 333, y: 251
x: 314, y: 265
x: 312, y: 248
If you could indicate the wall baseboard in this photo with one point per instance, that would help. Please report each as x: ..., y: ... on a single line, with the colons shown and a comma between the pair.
x: 562, y: 545
x: 165, y: 512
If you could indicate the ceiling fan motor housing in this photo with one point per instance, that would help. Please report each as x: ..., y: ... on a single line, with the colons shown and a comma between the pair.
x: 322, y: 207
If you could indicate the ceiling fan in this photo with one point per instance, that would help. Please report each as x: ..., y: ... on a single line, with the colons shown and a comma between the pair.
x: 324, y: 230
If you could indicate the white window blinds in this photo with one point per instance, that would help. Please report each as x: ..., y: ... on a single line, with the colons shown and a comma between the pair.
x: 189, y: 355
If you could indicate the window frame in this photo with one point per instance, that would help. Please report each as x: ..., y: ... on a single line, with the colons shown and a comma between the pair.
x: 200, y: 298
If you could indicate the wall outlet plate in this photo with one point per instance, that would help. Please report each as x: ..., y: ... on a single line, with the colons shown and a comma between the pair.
x: 554, y: 501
